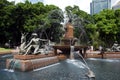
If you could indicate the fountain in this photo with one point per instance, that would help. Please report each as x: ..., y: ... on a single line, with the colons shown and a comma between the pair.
x: 90, y: 73
x: 32, y: 55
x: 113, y: 52
x: 71, y: 52
x: 69, y: 40
x: 69, y: 47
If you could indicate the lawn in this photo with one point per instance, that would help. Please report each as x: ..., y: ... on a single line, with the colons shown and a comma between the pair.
x: 4, y: 50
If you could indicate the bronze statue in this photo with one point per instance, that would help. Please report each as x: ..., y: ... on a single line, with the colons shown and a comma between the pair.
x: 33, y: 47
x: 33, y: 44
x: 23, y: 43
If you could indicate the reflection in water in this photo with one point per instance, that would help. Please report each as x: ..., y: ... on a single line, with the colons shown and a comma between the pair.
x: 77, y: 63
x: 46, y: 67
x: 8, y: 70
x: 7, y: 55
x: 105, y: 69
x: 105, y: 60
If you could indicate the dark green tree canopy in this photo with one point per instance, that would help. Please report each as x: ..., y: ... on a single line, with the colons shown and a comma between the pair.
x: 102, y: 28
x: 16, y: 19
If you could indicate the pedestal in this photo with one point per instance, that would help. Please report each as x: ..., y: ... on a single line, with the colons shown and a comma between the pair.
x: 31, y: 62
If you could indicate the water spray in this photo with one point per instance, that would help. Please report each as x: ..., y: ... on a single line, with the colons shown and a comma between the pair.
x: 71, y: 52
x: 12, y: 65
x: 90, y: 73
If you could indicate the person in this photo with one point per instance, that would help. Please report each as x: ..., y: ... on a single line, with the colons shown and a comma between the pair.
x: 33, y: 44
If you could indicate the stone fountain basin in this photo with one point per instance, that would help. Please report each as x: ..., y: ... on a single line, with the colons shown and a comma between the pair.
x: 32, y: 56
x: 66, y: 48
x: 31, y: 62
x: 103, y: 55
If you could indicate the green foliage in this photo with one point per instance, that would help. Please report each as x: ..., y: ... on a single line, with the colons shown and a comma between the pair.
x: 6, y: 10
x: 15, y: 19
x: 27, y: 17
x: 106, y: 23
x: 55, y: 18
x: 4, y: 50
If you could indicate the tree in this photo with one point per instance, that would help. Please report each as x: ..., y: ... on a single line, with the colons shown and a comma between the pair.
x: 55, y: 31
x: 25, y: 18
x: 106, y: 25
x: 6, y: 9
x: 117, y: 15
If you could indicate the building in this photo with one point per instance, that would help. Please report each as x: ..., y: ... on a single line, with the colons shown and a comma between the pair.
x: 98, y: 5
x: 35, y: 1
x: 117, y: 6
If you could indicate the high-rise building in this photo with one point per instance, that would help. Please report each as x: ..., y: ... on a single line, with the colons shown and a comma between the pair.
x: 117, y: 6
x: 98, y: 5
x: 35, y: 1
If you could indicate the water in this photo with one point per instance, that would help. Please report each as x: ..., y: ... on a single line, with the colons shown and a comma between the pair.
x: 104, y: 69
x: 71, y: 52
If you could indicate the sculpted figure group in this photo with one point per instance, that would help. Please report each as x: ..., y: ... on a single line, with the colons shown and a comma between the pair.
x: 32, y: 47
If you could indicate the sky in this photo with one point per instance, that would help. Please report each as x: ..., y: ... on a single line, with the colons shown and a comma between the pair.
x: 83, y: 4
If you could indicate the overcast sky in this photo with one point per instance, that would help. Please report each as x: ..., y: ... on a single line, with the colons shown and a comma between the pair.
x: 83, y: 4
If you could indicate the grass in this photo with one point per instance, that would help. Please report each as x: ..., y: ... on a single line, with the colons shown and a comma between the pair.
x: 4, y: 50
